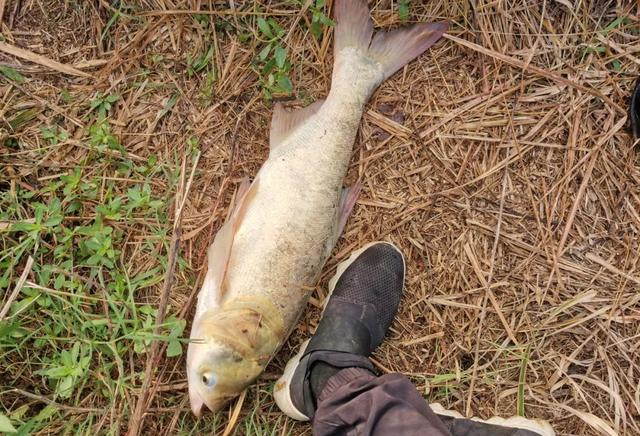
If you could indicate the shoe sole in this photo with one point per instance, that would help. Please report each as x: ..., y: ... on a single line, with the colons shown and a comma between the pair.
x: 538, y: 426
x: 281, y: 390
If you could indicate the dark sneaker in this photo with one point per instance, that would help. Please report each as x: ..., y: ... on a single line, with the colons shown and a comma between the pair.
x: 496, y: 426
x: 363, y: 299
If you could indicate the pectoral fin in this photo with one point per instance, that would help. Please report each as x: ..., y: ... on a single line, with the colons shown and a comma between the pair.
x: 219, y: 253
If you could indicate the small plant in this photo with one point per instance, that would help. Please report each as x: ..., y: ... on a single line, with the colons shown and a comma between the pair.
x: 5, y: 425
x: 88, y: 321
x: 403, y: 9
x: 619, y: 22
x: 11, y: 74
x: 318, y: 18
x: 272, y: 63
x: 102, y: 104
x: 54, y: 134
x: 198, y: 64
x: 68, y: 367
x: 206, y: 93
x: 66, y: 96
x: 101, y: 138
x: 141, y: 199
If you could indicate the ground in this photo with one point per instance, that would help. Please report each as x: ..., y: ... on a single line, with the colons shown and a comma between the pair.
x: 499, y: 162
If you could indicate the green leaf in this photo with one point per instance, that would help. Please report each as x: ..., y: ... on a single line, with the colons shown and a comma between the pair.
x: 616, y: 65
x: 53, y: 221
x: 21, y: 118
x: 443, y: 378
x: 11, y: 74
x: 284, y: 83
x: 265, y: 52
x: 8, y: 329
x: 174, y: 349
x: 25, y: 227
x: 5, y: 425
x: 18, y: 306
x: 268, y: 68
x: 112, y: 98
x: 59, y: 282
x: 522, y: 381
x: 316, y: 29
x: 403, y: 10
x: 279, y: 31
x: 597, y: 49
x: 65, y: 387
x: 46, y: 413
x: 620, y: 21
x: 264, y: 28
x: 169, y: 105
x: 281, y: 56
x: 66, y: 96
x: 326, y: 20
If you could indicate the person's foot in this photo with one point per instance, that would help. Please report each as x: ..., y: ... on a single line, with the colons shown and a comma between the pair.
x: 363, y: 299
x: 496, y: 426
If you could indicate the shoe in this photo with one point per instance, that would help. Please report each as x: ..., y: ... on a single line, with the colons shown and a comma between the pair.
x: 363, y: 299
x: 496, y: 426
x: 634, y: 111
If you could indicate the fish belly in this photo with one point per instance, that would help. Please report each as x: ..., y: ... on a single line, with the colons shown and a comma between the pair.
x: 289, y: 229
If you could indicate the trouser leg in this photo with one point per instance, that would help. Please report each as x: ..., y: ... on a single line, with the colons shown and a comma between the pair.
x: 356, y: 402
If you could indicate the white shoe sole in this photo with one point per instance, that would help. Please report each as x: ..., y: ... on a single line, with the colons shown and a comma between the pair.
x: 538, y: 426
x: 281, y: 390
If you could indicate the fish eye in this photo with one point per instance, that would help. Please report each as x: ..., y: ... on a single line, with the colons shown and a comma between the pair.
x: 208, y: 380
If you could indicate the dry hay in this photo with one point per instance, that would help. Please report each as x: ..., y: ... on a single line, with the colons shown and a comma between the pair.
x: 499, y: 162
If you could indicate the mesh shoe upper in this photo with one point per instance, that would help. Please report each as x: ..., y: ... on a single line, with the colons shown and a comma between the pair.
x: 374, y: 279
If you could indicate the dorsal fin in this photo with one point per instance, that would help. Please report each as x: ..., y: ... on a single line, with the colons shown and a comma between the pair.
x: 284, y: 122
x: 219, y: 252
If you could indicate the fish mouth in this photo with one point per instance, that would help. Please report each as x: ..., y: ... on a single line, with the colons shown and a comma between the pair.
x: 198, y: 403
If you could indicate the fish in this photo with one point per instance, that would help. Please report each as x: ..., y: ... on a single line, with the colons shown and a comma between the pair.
x: 268, y: 255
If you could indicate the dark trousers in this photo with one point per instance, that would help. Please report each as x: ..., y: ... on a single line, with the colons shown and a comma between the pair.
x: 355, y: 402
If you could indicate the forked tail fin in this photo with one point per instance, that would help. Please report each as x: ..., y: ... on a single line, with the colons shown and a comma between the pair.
x: 392, y: 49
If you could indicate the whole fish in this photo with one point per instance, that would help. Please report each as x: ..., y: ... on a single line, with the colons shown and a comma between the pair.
x: 266, y: 258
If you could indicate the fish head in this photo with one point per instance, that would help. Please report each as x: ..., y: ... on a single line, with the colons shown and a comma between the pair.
x: 222, y: 360
x: 216, y: 374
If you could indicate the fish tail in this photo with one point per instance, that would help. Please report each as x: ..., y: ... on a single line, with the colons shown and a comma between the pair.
x: 392, y: 49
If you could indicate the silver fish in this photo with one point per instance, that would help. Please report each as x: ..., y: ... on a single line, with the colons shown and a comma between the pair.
x: 267, y: 257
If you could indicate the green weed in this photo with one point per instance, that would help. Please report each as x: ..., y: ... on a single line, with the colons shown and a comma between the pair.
x: 199, y: 63
x: 404, y: 9
x: 5, y: 425
x: 54, y: 134
x: 202, y: 63
x: 319, y: 21
x: 621, y: 22
x: 11, y: 74
x: 102, y: 103
x: 72, y: 329
x: 272, y: 63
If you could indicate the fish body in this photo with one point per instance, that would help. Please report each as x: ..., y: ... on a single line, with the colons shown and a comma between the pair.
x: 267, y: 257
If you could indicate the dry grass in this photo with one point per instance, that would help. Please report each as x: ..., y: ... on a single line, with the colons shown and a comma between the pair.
x: 499, y: 162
